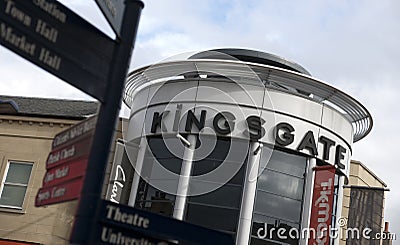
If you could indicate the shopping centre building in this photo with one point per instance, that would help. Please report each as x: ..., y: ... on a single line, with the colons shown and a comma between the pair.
x: 235, y: 140
x: 243, y: 142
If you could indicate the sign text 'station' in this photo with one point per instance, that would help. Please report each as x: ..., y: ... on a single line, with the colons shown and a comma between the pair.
x: 47, y: 33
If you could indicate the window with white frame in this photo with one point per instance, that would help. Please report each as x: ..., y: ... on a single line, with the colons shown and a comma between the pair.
x: 14, y: 184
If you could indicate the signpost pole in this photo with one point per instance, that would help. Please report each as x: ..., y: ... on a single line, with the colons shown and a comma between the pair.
x: 85, y: 219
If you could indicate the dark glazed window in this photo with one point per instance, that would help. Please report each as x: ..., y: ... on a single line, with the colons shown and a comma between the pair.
x: 218, y: 218
x: 153, y: 200
x: 168, y: 153
x: 278, y: 206
x: 271, y: 182
x: 267, y: 226
x: 278, y: 203
x: 220, y: 208
x: 227, y: 196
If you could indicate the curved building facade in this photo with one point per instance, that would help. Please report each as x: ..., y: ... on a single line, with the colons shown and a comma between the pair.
x: 234, y: 140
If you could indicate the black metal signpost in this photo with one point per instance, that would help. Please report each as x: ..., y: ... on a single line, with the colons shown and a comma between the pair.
x: 90, y: 200
x: 56, y: 39
x: 113, y: 10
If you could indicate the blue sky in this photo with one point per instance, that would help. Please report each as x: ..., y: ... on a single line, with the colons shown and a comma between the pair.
x: 350, y: 44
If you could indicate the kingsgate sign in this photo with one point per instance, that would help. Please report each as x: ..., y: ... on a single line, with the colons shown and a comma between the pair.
x: 284, y: 133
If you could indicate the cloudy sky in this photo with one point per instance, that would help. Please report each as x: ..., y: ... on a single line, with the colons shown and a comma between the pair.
x: 351, y: 44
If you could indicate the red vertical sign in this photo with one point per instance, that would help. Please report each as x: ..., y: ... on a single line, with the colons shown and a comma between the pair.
x: 322, y: 205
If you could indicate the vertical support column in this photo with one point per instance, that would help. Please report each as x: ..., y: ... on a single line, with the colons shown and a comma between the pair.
x: 183, y: 184
x: 249, y: 194
x: 138, y: 171
x: 339, y: 207
x: 307, y: 199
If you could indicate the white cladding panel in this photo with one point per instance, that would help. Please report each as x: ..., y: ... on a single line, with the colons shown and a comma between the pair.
x: 337, y: 123
x: 293, y: 105
x: 229, y: 92
x: 140, y: 100
x: 172, y: 91
x: 136, y: 125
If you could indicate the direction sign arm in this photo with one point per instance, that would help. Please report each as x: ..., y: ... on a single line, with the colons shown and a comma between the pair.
x: 85, y: 218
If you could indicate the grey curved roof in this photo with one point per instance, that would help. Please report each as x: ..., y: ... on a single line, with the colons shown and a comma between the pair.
x: 252, y: 56
x: 273, y: 71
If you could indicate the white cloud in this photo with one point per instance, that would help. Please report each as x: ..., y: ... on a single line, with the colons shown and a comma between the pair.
x: 352, y: 45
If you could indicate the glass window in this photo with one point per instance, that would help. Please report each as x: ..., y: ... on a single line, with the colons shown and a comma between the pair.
x: 218, y: 209
x: 255, y: 241
x: 164, y: 147
x: 279, y: 195
x: 212, y: 217
x: 271, y: 181
x: 14, y: 184
x: 278, y: 206
x: 221, y: 148
x: 167, y: 152
x: 227, y: 195
x: 238, y: 179
x: 163, y: 158
x: 205, y: 166
x: 283, y: 162
x: 153, y: 200
x: 267, y: 228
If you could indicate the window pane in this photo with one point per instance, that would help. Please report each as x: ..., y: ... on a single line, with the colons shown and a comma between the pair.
x: 205, y: 166
x: 239, y: 176
x: 18, y: 173
x: 212, y: 217
x: 212, y: 148
x: 13, y: 196
x: 268, y: 227
x: 272, y: 182
x: 171, y: 164
x: 153, y: 200
x: 255, y: 241
x: 157, y: 168
x: 164, y: 147
x: 229, y: 196
x: 221, y: 148
x: 284, y: 162
x: 277, y: 206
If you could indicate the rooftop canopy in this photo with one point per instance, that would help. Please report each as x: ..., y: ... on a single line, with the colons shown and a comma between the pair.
x: 256, y: 68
